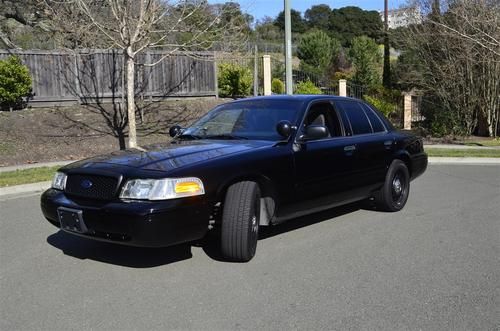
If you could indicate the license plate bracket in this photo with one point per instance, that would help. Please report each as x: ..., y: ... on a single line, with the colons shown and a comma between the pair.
x: 71, y: 220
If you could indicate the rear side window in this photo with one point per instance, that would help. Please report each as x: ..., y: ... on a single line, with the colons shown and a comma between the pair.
x: 374, y: 119
x: 357, y: 117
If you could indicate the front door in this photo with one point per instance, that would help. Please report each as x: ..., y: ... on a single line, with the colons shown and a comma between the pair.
x: 323, y: 167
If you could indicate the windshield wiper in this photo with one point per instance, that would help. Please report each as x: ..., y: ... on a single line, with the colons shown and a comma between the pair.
x: 225, y: 137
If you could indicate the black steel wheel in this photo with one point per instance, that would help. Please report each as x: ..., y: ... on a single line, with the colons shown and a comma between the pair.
x: 240, y: 221
x: 394, y: 194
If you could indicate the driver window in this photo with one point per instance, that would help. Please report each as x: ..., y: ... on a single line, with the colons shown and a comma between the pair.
x: 323, y: 114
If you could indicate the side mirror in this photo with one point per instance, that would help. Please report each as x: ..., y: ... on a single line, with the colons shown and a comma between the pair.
x: 174, y: 131
x: 315, y: 132
x: 284, y: 129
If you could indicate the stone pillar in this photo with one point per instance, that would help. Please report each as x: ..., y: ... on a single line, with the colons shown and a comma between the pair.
x: 266, y: 62
x: 342, y: 87
x: 407, y: 111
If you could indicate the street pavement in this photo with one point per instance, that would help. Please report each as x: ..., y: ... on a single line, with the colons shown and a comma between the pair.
x: 433, y: 266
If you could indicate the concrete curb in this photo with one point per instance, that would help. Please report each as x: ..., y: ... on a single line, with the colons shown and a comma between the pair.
x: 465, y: 160
x: 466, y: 147
x: 25, y: 188
x: 34, y: 165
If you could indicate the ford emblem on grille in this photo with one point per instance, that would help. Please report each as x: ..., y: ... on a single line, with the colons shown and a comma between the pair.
x: 86, y: 184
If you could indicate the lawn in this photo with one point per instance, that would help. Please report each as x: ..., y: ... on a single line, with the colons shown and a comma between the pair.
x: 26, y: 176
x: 442, y: 152
x: 486, y: 142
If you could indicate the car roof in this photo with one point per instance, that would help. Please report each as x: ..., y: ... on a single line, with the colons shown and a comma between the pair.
x: 295, y: 98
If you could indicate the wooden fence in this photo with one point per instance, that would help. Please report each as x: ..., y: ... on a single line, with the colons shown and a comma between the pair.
x: 93, y: 76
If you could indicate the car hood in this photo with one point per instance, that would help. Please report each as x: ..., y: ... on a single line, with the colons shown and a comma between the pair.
x: 170, y: 156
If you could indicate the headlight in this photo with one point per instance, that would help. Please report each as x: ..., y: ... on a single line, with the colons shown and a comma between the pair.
x: 59, y: 181
x: 162, y: 189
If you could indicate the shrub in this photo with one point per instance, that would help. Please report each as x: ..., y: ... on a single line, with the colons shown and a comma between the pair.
x: 234, y: 80
x: 15, y: 82
x: 277, y: 86
x: 307, y: 87
x: 385, y: 106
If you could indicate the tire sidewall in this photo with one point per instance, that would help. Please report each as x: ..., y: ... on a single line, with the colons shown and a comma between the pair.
x: 239, y: 235
x: 397, y: 167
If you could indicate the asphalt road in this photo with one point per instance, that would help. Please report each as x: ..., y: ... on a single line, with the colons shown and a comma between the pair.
x: 433, y: 266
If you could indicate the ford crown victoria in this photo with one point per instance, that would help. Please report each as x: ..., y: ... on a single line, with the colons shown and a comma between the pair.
x: 246, y: 164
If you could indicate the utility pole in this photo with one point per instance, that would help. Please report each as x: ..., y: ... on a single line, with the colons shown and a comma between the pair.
x: 386, y: 79
x: 288, y: 48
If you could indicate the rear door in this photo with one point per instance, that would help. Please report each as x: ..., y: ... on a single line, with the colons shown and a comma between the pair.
x: 372, y: 144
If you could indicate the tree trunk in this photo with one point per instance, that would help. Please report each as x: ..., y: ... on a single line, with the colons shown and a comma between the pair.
x: 132, y: 135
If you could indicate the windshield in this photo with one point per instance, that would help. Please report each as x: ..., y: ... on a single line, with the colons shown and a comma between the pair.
x: 244, y: 120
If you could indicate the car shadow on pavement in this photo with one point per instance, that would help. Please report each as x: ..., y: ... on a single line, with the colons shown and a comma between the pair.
x: 303, y: 221
x: 139, y: 257
x: 127, y: 256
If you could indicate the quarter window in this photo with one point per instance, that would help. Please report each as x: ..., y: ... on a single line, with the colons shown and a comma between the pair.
x: 357, y: 117
x: 374, y: 119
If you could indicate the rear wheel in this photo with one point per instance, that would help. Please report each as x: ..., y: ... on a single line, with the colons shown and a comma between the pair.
x: 240, y: 221
x: 394, y: 194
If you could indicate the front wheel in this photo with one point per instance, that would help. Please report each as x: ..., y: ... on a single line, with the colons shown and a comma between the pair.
x: 394, y: 194
x: 240, y: 221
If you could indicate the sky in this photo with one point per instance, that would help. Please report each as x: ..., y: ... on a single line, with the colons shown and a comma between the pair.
x: 260, y: 8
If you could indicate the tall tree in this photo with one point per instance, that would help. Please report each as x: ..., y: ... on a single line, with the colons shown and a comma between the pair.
x: 366, y: 59
x: 298, y: 23
x: 318, y: 17
x: 349, y: 22
x: 316, y: 50
x: 133, y: 26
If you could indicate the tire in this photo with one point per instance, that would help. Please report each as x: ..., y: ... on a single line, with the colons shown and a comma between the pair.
x: 240, y: 221
x: 393, y: 195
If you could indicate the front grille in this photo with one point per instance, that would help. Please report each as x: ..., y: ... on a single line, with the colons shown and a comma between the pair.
x: 92, y: 186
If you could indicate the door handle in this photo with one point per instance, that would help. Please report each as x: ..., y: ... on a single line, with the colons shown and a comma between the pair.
x: 350, y: 148
x: 388, y: 144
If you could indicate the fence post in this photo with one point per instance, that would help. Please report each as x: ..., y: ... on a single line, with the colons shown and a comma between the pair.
x: 255, y: 72
x: 407, y: 111
x: 266, y: 59
x: 216, y: 76
x: 342, y: 87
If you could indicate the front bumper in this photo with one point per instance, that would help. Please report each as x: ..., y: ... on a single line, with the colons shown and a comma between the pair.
x: 135, y: 223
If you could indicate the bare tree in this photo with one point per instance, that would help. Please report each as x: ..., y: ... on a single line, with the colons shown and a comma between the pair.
x: 454, y: 57
x: 136, y: 25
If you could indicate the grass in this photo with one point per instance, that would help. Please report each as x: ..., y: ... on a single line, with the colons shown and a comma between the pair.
x: 441, y: 152
x: 486, y: 143
x: 27, y: 176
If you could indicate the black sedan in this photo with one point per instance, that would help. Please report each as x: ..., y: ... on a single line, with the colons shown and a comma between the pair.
x: 248, y: 163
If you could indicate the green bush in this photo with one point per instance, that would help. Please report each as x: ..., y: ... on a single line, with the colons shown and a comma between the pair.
x: 307, y: 87
x: 234, y: 80
x: 277, y: 86
x: 385, y: 106
x: 15, y: 82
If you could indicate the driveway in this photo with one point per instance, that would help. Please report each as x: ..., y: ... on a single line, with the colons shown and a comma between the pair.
x: 433, y: 266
